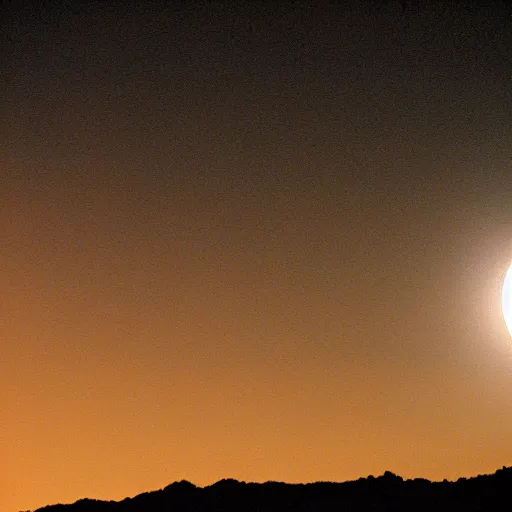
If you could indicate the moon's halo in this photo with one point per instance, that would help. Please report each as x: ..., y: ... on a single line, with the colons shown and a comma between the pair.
x: 506, y: 299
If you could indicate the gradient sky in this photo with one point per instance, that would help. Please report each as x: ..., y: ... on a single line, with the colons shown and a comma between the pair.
x: 252, y: 242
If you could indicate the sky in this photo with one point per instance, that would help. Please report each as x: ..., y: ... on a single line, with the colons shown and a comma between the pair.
x: 264, y: 243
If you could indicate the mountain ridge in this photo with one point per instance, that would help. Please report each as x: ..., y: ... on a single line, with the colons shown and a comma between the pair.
x: 386, y: 492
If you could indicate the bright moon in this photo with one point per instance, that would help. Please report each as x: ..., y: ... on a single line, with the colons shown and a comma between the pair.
x: 506, y: 299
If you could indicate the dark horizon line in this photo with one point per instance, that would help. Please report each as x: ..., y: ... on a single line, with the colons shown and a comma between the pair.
x: 395, y: 487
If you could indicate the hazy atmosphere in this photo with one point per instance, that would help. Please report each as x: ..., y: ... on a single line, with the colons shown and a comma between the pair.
x: 265, y: 243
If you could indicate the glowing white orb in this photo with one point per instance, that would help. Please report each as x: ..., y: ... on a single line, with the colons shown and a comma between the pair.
x: 506, y: 299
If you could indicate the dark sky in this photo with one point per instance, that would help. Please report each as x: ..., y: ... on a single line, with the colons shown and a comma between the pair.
x: 255, y: 242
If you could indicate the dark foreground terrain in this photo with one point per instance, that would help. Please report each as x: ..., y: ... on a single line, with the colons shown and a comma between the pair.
x: 388, y: 492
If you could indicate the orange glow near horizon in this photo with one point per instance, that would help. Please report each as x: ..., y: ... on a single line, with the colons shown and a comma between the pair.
x: 237, y: 374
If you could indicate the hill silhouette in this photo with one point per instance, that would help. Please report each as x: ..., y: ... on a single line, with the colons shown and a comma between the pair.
x: 388, y: 492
